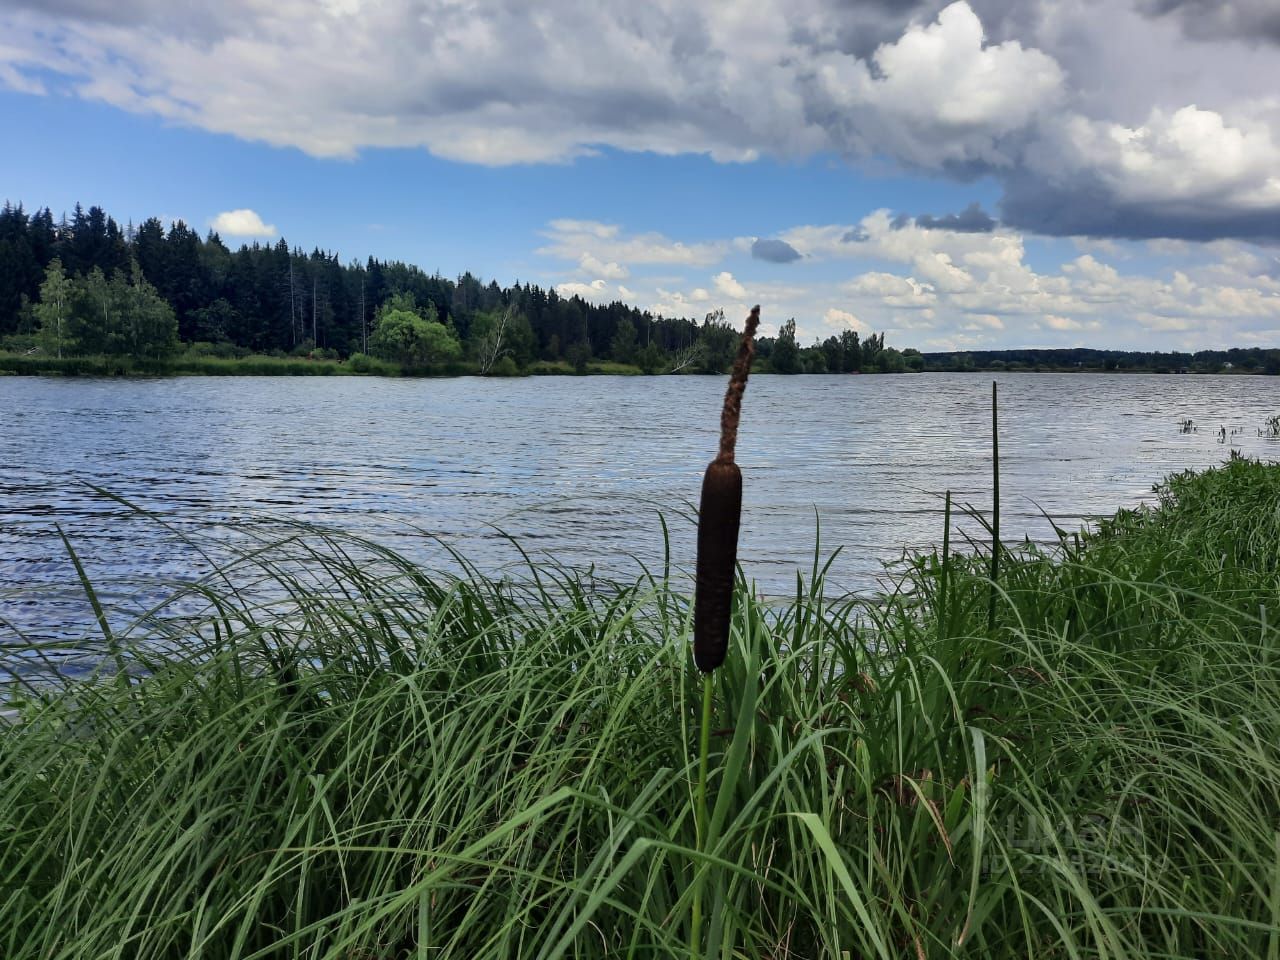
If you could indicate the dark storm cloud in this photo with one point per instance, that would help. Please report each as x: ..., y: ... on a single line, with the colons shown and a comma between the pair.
x: 201, y: 23
x: 774, y: 251
x: 1250, y: 20
x: 1083, y: 209
x: 972, y: 219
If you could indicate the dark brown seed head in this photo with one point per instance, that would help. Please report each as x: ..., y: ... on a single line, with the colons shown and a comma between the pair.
x: 718, y: 516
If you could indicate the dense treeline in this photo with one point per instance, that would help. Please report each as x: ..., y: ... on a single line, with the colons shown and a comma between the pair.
x: 85, y: 286
x: 1253, y: 360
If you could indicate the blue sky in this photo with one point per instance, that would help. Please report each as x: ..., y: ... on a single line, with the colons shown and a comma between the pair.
x: 973, y: 174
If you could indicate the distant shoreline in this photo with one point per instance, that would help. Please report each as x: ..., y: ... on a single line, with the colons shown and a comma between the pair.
x: 272, y: 366
x: 264, y: 366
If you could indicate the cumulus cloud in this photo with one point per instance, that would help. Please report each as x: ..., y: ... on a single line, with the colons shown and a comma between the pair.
x: 948, y: 289
x: 594, y: 291
x: 242, y: 223
x: 1192, y: 173
x: 940, y: 95
x: 727, y: 285
x: 1132, y: 118
x: 843, y: 320
x: 774, y: 251
x: 982, y: 284
x: 892, y: 289
x: 604, y: 246
x: 596, y: 268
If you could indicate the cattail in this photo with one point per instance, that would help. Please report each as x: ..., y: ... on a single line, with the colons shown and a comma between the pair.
x: 718, y: 516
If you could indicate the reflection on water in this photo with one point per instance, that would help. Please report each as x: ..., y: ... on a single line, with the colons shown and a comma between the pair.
x: 578, y: 468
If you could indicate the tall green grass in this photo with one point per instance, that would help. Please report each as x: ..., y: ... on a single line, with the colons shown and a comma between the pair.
x: 391, y: 763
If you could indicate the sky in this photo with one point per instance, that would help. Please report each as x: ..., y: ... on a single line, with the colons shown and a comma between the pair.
x: 979, y: 174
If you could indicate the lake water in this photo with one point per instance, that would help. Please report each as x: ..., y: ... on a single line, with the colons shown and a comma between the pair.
x: 579, y: 469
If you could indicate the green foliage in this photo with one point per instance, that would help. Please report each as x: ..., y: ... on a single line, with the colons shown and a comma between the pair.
x: 717, y: 344
x: 94, y: 315
x: 650, y: 358
x: 278, y: 300
x: 578, y: 355
x: 53, y: 312
x: 813, y: 360
x: 499, y: 335
x: 785, y: 356
x: 217, y: 321
x: 363, y: 363
x: 398, y: 764
x: 872, y: 347
x: 221, y: 349
x: 403, y: 336
x: 890, y: 360
x: 624, y: 347
x: 149, y: 326
x: 505, y: 367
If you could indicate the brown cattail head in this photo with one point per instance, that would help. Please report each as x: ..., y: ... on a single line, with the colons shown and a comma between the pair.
x: 718, y: 516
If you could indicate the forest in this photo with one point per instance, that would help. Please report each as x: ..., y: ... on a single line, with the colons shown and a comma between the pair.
x: 154, y: 299
x: 1087, y: 359
x: 83, y: 286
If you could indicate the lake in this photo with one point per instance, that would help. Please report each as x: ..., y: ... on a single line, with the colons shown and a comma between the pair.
x: 579, y: 469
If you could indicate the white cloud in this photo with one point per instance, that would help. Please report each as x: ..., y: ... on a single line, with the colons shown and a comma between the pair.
x: 990, y: 321
x: 1187, y: 155
x: 596, y: 268
x: 1097, y: 119
x: 242, y: 223
x: 594, y: 291
x: 978, y: 289
x: 1061, y: 323
x: 940, y: 94
x: 605, y: 246
x: 892, y: 289
x: 14, y: 79
x: 727, y: 285
x: 843, y: 320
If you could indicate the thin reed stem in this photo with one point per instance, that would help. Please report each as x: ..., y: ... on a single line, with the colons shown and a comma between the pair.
x: 946, y: 564
x: 995, y: 510
x: 700, y: 815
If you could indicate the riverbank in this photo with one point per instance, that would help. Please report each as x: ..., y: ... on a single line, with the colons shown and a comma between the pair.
x: 267, y: 366
x: 397, y: 762
x: 186, y: 365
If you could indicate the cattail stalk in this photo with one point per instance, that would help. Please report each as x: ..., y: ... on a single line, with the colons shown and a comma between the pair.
x: 718, y: 515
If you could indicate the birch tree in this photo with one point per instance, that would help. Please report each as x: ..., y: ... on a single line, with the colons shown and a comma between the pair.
x: 54, y: 307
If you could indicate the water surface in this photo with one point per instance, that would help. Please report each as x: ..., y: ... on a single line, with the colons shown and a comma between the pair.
x: 579, y: 468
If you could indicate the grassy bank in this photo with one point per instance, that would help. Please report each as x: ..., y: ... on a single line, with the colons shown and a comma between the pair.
x: 399, y: 765
x: 187, y: 365
x: 252, y: 365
